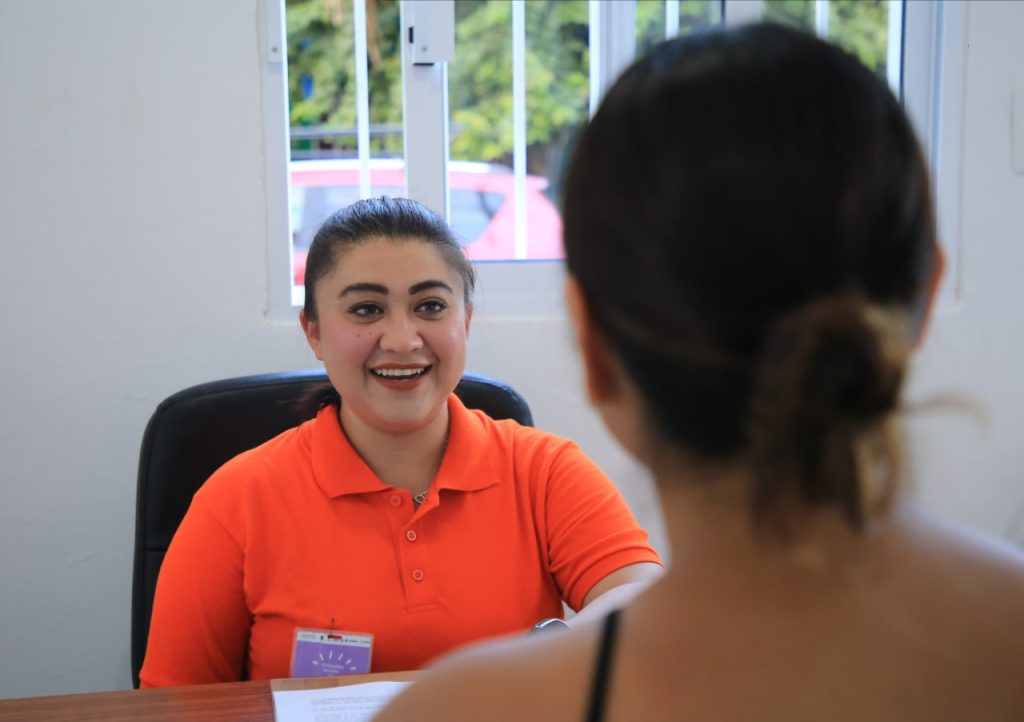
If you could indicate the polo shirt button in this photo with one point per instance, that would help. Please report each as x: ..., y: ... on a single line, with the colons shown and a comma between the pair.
x: 417, y: 575
x: 396, y: 500
x: 410, y: 535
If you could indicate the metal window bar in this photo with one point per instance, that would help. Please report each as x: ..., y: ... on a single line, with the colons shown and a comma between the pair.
x: 362, y: 97
x: 612, y: 44
x: 894, y: 51
x: 519, y: 124
x: 425, y: 88
x: 671, y: 18
x: 738, y: 12
x: 594, y: 10
x: 821, y: 18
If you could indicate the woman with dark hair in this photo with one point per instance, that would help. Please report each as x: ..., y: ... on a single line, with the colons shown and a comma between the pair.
x: 396, y: 520
x: 752, y: 254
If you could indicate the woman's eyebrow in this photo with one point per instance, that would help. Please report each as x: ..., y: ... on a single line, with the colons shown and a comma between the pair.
x: 427, y: 285
x: 363, y: 288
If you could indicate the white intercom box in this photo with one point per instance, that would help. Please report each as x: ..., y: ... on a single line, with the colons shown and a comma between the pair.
x: 432, y: 31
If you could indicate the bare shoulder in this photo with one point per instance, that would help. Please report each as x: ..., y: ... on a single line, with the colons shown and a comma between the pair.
x: 957, y: 549
x: 969, y: 583
x: 487, y: 681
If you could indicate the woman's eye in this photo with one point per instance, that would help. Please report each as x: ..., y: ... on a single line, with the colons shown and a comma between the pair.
x: 366, y: 310
x: 432, y: 307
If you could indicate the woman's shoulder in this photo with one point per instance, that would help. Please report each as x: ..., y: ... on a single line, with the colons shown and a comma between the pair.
x: 510, y: 434
x: 480, y: 423
x: 541, y: 677
x: 968, y: 588
x: 974, y: 567
x: 510, y: 438
x: 951, y: 546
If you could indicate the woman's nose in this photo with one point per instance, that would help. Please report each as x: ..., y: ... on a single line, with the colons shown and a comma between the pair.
x: 400, y: 335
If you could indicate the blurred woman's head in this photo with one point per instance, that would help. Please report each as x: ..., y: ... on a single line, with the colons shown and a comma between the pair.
x: 748, y: 223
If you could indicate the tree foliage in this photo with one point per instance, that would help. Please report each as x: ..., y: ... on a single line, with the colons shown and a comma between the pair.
x: 860, y: 26
x: 321, y: 72
x: 321, y: 68
x: 480, y: 82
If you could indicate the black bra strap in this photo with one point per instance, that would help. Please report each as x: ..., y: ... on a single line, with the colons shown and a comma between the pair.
x: 599, y: 684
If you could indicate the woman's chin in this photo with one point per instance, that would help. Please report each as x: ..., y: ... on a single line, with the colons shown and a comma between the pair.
x: 408, y: 420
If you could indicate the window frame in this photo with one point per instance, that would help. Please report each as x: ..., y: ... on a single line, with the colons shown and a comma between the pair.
x: 932, y: 50
x: 932, y: 91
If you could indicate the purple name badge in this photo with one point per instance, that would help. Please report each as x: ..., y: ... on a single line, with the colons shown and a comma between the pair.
x: 322, y: 652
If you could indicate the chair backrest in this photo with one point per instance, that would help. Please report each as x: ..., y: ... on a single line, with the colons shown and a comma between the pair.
x: 193, y: 432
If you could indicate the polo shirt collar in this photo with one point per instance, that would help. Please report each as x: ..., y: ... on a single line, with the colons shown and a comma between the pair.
x: 467, y: 463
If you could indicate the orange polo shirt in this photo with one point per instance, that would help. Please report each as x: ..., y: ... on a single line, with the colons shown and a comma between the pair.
x: 300, y: 533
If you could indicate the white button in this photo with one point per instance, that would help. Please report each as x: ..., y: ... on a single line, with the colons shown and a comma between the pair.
x: 410, y: 535
x: 417, y: 575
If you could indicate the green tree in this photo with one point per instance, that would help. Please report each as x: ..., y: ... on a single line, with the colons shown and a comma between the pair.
x: 860, y: 26
x: 321, y: 72
x: 480, y: 81
x: 650, y: 20
x: 321, y: 68
x: 557, y: 74
x: 321, y: 75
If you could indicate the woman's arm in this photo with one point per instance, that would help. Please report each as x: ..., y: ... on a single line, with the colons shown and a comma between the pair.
x: 617, y: 589
x: 596, y: 547
x: 199, y: 627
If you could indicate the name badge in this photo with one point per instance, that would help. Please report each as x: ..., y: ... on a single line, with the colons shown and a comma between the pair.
x: 324, y: 652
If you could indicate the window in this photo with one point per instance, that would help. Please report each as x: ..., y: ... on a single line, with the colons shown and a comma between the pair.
x: 657, y: 20
x: 495, y: 123
x: 870, y: 29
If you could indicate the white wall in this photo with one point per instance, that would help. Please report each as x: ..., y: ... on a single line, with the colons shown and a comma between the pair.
x: 968, y: 466
x: 131, y: 219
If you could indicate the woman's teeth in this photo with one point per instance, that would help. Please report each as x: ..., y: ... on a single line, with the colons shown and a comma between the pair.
x: 399, y: 373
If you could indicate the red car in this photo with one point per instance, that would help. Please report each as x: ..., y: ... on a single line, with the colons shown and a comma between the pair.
x: 482, y: 206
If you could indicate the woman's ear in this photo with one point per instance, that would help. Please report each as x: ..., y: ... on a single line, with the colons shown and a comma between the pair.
x: 928, y: 302
x: 594, y: 351
x: 608, y: 386
x: 312, y: 331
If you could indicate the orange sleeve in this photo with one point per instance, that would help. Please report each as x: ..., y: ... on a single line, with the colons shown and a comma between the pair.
x: 200, y: 623
x: 591, y: 532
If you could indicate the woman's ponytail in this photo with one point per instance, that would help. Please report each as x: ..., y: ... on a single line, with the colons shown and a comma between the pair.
x: 824, y: 389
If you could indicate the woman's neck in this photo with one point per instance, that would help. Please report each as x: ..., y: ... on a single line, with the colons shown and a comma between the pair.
x: 404, y: 460
x: 709, y: 517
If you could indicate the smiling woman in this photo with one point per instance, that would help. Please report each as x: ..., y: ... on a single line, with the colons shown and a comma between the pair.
x: 398, y: 517
x: 391, y: 326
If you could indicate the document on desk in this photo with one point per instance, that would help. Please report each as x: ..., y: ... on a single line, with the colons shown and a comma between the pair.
x: 350, y: 703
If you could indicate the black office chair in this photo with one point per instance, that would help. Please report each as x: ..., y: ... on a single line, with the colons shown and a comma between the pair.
x: 195, y: 431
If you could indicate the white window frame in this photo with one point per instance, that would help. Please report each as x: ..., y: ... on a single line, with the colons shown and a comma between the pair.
x: 273, y: 56
x: 934, y: 53
x: 932, y: 49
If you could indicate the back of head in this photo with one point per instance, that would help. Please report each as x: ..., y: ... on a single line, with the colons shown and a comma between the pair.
x: 749, y: 219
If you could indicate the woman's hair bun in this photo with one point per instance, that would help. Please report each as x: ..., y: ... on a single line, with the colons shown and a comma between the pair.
x: 826, y: 380
x: 837, y: 358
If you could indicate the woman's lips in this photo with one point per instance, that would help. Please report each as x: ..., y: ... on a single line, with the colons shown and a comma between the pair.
x: 400, y: 377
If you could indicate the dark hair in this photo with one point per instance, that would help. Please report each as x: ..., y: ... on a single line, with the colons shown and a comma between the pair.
x: 748, y: 216
x: 399, y: 219
x: 392, y: 218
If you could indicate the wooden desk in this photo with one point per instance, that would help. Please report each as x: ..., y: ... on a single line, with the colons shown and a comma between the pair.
x: 225, y: 702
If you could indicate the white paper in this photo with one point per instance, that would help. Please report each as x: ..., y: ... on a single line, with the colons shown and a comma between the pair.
x: 349, y: 703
